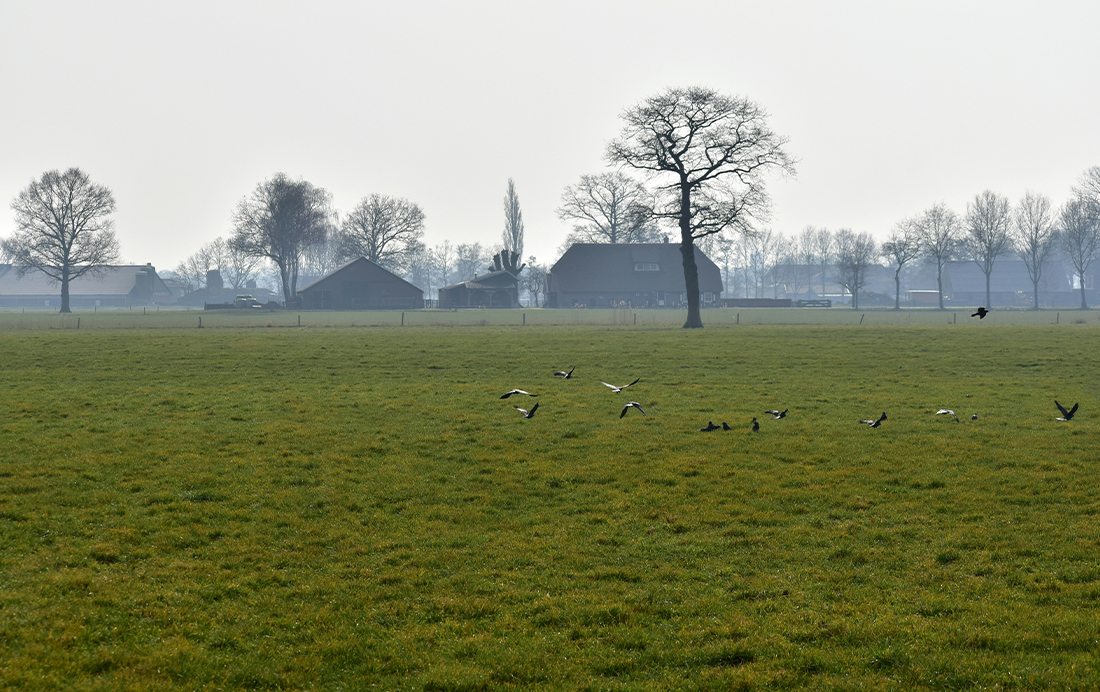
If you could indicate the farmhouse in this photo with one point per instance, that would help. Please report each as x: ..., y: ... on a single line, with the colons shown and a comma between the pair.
x: 497, y: 289
x: 361, y: 285
x: 599, y: 275
x: 114, y: 286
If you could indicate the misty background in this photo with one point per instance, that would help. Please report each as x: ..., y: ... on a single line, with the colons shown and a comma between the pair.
x: 182, y: 110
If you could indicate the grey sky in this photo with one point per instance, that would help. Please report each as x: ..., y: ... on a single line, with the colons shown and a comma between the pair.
x: 182, y: 108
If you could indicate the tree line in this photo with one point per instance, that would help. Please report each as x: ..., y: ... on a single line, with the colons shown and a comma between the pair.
x: 702, y: 158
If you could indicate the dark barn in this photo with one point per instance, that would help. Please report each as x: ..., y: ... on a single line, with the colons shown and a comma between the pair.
x: 498, y: 289
x: 598, y: 275
x: 361, y: 285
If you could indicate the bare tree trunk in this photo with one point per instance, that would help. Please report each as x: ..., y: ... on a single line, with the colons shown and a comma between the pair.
x: 65, y: 307
x: 988, y: 300
x: 691, y: 270
x: 1035, y: 285
x: 1084, y: 306
x: 939, y: 284
x: 897, y: 289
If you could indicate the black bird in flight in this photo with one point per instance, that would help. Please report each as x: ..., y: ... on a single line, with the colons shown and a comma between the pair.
x: 565, y: 375
x: 619, y: 389
x: 710, y: 426
x: 516, y: 391
x: 779, y: 414
x: 526, y: 413
x: 755, y: 425
x: 875, y: 423
x: 981, y: 313
x: 948, y: 412
x: 630, y: 405
x: 1066, y: 415
x: 726, y: 426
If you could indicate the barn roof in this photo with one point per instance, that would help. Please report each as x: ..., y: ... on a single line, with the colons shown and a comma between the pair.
x: 630, y: 267
x: 316, y: 283
x: 502, y: 278
x: 107, y: 281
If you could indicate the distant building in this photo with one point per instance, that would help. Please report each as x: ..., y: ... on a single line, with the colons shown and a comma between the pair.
x: 361, y: 285
x: 114, y: 286
x: 1010, y: 284
x: 497, y: 289
x: 599, y: 275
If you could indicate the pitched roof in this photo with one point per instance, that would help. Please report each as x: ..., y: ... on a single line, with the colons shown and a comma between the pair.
x: 107, y: 281
x: 501, y: 278
x: 319, y: 280
x: 625, y: 267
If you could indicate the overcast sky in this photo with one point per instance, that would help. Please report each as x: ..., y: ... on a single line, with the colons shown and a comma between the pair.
x: 182, y: 108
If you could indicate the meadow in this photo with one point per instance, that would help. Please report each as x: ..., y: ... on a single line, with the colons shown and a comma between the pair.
x: 341, y: 506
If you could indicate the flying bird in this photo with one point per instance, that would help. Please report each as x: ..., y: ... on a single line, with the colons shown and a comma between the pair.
x: 565, y: 375
x: 516, y: 391
x: 950, y: 413
x: 726, y: 426
x: 526, y: 413
x: 710, y: 426
x: 779, y: 414
x: 981, y: 313
x: 755, y: 425
x: 619, y: 389
x: 1066, y: 415
x: 875, y: 423
x: 630, y: 405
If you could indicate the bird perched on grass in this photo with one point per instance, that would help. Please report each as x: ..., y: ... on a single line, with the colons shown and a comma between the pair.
x: 981, y: 313
x: 630, y: 405
x: 974, y: 417
x: 526, y: 413
x: 875, y: 423
x: 619, y: 389
x: 565, y: 375
x: 516, y: 391
x: 726, y: 426
x: 755, y: 425
x: 779, y: 414
x: 1066, y: 415
x: 948, y: 412
x: 710, y: 426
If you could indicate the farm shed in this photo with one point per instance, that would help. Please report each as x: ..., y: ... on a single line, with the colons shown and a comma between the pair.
x: 497, y: 289
x: 112, y: 286
x: 599, y: 275
x: 361, y: 285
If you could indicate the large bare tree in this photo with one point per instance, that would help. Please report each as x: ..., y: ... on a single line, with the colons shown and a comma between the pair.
x: 902, y: 247
x: 279, y: 220
x: 513, y: 220
x: 708, y: 154
x: 63, y: 229
x: 1079, y: 233
x: 940, y: 233
x: 608, y: 208
x: 1033, y: 237
x: 386, y: 230
x: 988, y: 232
x: 470, y: 259
x: 854, y: 253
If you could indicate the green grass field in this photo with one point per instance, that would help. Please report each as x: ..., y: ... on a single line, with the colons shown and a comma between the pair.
x: 355, y: 508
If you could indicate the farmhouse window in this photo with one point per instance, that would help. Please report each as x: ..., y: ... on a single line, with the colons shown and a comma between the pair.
x: 647, y: 267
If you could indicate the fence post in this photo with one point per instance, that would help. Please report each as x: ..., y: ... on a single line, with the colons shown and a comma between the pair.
x: 299, y: 320
x: 402, y: 319
x: 861, y: 318
x: 525, y: 319
x: 78, y: 323
x: 200, y: 322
